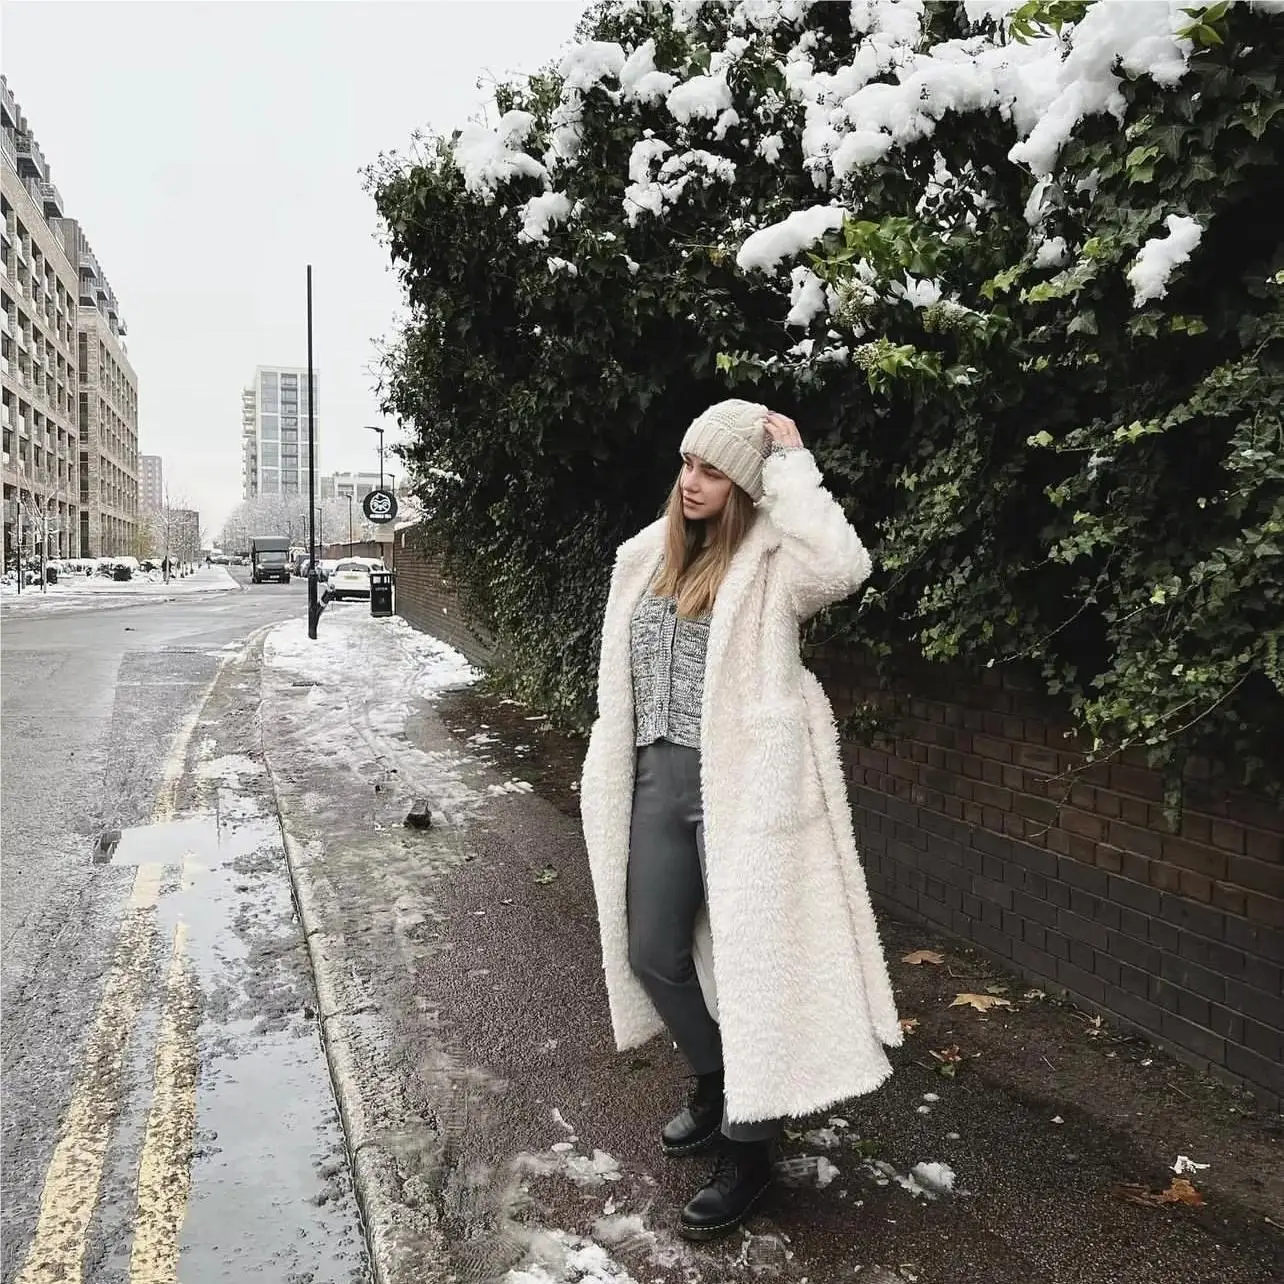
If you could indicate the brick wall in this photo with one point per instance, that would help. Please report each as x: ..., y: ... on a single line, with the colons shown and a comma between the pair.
x: 971, y: 819
x: 426, y: 599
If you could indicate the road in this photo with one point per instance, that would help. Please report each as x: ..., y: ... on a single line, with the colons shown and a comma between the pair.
x: 166, y: 1095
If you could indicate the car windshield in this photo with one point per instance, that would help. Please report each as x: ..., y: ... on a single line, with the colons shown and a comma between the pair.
x: 353, y: 566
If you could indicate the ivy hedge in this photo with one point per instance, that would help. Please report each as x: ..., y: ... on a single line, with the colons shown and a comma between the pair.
x: 1046, y: 381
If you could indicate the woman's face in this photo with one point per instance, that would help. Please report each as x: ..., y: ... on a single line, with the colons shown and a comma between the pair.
x: 705, y: 490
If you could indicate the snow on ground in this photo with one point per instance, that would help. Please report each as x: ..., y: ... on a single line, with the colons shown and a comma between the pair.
x: 352, y: 645
x: 369, y: 677
x: 80, y: 591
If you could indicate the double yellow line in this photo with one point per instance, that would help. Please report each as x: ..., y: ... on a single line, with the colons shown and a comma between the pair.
x: 74, y: 1176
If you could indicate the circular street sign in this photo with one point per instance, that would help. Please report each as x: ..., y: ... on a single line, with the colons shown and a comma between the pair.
x: 380, y: 506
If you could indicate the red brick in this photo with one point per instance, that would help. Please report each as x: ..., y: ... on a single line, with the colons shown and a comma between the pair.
x: 1013, y: 778
x: 1257, y: 813
x: 992, y: 772
x: 1107, y: 804
x: 1134, y: 812
x: 1134, y: 838
x: 953, y: 807
x: 972, y: 813
x: 1196, y: 886
x: 1256, y: 875
x: 1263, y: 846
x: 1203, y: 860
x: 1110, y: 858
x: 1135, y: 866
x: 1035, y: 759
x: 1082, y: 822
x: 1264, y: 909
x: 989, y: 747
x: 972, y: 767
x: 1230, y: 836
x: 1059, y: 842
x: 1035, y: 732
x: 1166, y: 877
x: 1197, y: 828
x: 993, y: 819
x: 1083, y: 797
x: 1228, y: 898
x: 993, y: 796
x: 1141, y: 782
x: 1083, y: 849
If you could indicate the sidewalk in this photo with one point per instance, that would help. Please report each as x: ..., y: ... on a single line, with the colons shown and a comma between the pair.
x: 498, y: 1136
x: 82, y: 591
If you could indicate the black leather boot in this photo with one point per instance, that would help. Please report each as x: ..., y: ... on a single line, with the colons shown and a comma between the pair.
x: 699, y: 1121
x: 739, y: 1179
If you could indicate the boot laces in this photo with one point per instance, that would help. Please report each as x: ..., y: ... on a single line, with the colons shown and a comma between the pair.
x: 726, y: 1172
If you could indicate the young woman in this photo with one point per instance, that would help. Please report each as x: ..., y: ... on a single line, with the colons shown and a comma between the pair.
x: 731, y: 901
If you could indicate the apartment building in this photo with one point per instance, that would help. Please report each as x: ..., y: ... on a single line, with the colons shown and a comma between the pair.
x: 108, y: 411
x: 70, y: 395
x: 356, y: 485
x: 151, y: 483
x: 39, y: 289
x: 274, y: 431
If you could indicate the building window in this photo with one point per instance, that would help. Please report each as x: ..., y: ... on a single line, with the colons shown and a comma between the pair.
x: 269, y: 454
x: 269, y: 432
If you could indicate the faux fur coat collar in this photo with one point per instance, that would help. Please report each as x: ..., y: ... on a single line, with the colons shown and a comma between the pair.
x: 788, y: 950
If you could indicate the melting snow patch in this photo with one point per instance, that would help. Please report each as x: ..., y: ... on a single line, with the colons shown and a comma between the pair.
x: 593, y: 1172
x: 559, y: 1258
x: 826, y: 1137
x: 825, y: 1172
x: 935, y: 1179
x: 229, y: 769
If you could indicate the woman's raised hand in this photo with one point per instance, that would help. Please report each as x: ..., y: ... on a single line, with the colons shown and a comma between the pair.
x: 782, y: 429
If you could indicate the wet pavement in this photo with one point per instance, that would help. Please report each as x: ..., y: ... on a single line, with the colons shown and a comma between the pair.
x: 499, y: 1136
x: 168, y: 1111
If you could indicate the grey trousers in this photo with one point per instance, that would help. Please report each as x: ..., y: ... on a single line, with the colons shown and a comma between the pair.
x: 665, y: 892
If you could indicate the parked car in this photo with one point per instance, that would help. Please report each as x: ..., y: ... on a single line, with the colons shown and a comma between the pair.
x: 351, y: 578
x: 325, y: 568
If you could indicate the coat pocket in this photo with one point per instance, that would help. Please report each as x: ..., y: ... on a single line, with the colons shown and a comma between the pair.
x: 781, y: 772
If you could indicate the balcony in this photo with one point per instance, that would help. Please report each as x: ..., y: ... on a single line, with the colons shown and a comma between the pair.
x: 8, y: 149
x: 31, y: 160
x: 51, y: 200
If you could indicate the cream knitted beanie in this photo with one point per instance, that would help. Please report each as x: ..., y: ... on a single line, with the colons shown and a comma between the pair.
x: 731, y: 436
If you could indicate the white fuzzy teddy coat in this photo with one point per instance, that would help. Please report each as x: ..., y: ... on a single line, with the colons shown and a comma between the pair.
x: 794, y: 971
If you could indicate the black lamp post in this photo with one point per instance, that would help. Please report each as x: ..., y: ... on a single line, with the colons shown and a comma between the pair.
x: 350, y: 541
x: 376, y: 428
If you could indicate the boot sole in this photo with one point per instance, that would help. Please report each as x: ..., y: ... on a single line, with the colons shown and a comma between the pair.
x: 698, y: 1147
x: 702, y: 1233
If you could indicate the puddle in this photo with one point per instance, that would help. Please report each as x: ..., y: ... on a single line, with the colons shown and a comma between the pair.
x: 170, y: 842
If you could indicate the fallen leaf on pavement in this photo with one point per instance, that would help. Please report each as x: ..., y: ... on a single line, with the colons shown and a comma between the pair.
x: 1180, y: 1191
x: 948, y: 1060
x: 909, y: 1024
x: 981, y: 1002
x: 1185, y: 1164
x: 923, y: 956
x: 546, y: 875
x: 1036, y: 994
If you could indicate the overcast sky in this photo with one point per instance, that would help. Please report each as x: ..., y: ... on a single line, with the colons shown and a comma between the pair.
x: 212, y: 150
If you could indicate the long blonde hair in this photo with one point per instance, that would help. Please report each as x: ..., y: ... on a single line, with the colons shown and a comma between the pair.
x: 693, y: 569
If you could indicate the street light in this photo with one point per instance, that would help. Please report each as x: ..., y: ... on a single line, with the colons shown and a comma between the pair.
x: 350, y: 524
x: 376, y: 428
